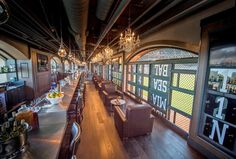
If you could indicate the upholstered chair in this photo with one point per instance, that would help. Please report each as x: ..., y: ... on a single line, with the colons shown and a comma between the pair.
x: 110, y: 92
x: 101, y: 88
x: 135, y: 121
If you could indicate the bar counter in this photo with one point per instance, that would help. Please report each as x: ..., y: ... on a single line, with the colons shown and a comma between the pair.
x: 45, y: 142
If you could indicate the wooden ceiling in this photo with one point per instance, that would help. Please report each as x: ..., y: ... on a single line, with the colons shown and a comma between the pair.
x: 40, y: 22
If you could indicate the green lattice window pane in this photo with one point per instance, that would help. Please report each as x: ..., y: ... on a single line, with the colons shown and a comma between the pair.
x: 175, y: 79
x: 133, y: 89
x: 120, y: 68
x: 119, y: 83
x: 146, y: 69
x: 182, y: 101
x: 139, y: 80
x: 186, y: 81
x: 133, y: 68
x: 134, y: 78
x: 119, y: 75
x: 145, y: 94
x: 145, y: 81
x: 140, y: 69
x: 129, y: 68
x: 129, y: 77
x: 186, y: 66
x: 129, y: 87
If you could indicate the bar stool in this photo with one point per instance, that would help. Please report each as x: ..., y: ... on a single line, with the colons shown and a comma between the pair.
x: 75, y: 111
x: 74, y: 141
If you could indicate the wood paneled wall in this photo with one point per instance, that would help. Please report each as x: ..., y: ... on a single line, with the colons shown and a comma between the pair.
x: 41, y: 79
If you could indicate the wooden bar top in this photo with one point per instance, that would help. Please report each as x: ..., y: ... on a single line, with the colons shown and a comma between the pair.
x: 45, y: 142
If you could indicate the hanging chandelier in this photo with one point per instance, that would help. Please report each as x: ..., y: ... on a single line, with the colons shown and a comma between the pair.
x: 62, y: 51
x: 128, y: 41
x: 107, y: 54
x: 104, y: 56
x: 97, y: 58
x: 77, y: 61
x: 70, y: 55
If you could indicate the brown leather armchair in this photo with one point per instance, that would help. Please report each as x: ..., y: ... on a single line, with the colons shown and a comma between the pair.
x: 97, y: 79
x: 101, y: 88
x: 110, y: 92
x: 137, y: 120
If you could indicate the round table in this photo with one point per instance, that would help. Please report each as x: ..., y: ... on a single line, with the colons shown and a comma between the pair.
x: 118, y: 102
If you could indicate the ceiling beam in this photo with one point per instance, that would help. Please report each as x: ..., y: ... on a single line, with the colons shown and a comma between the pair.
x: 29, y: 41
x: 123, y: 4
x: 43, y: 28
x: 169, y: 20
x: 139, y: 17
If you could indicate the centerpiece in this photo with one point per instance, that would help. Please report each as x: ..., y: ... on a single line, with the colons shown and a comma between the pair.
x: 54, y: 97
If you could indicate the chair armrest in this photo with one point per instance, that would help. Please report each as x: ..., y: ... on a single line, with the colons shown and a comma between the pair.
x: 105, y: 93
x: 120, y: 113
x: 152, y: 116
x: 120, y: 93
x: 121, y: 122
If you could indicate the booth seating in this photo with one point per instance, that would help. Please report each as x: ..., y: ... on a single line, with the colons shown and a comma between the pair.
x: 101, y: 88
x: 136, y: 121
x: 97, y: 80
x: 110, y: 92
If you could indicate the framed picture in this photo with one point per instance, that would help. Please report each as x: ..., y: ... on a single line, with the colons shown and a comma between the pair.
x: 42, y: 63
x: 24, y: 67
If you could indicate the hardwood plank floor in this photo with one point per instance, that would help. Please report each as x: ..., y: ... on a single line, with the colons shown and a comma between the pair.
x: 100, y: 140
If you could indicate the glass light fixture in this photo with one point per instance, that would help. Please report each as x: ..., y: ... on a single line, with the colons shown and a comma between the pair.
x: 107, y: 54
x: 70, y: 55
x: 78, y: 61
x: 62, y: 51
x: 128, y: 41
x: 104, y: 56
x: 97, y: 58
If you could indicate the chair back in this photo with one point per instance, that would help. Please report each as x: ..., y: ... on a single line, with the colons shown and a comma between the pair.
x: 75, y: 138
x: 105, y: 83
x: 110, y: 88
x: 139, y: 110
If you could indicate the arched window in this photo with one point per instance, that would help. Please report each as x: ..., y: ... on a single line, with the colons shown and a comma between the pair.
x: 67, y: 66
x: 165, y: 54
x: 53, y: 65
x: 165, y: 78
x: 3, y: 77
x: 7, y: 67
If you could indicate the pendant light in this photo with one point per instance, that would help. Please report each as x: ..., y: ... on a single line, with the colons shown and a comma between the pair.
x: 61, y: 51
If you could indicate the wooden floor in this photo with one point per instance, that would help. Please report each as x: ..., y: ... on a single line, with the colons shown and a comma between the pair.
x: 99, y: 139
